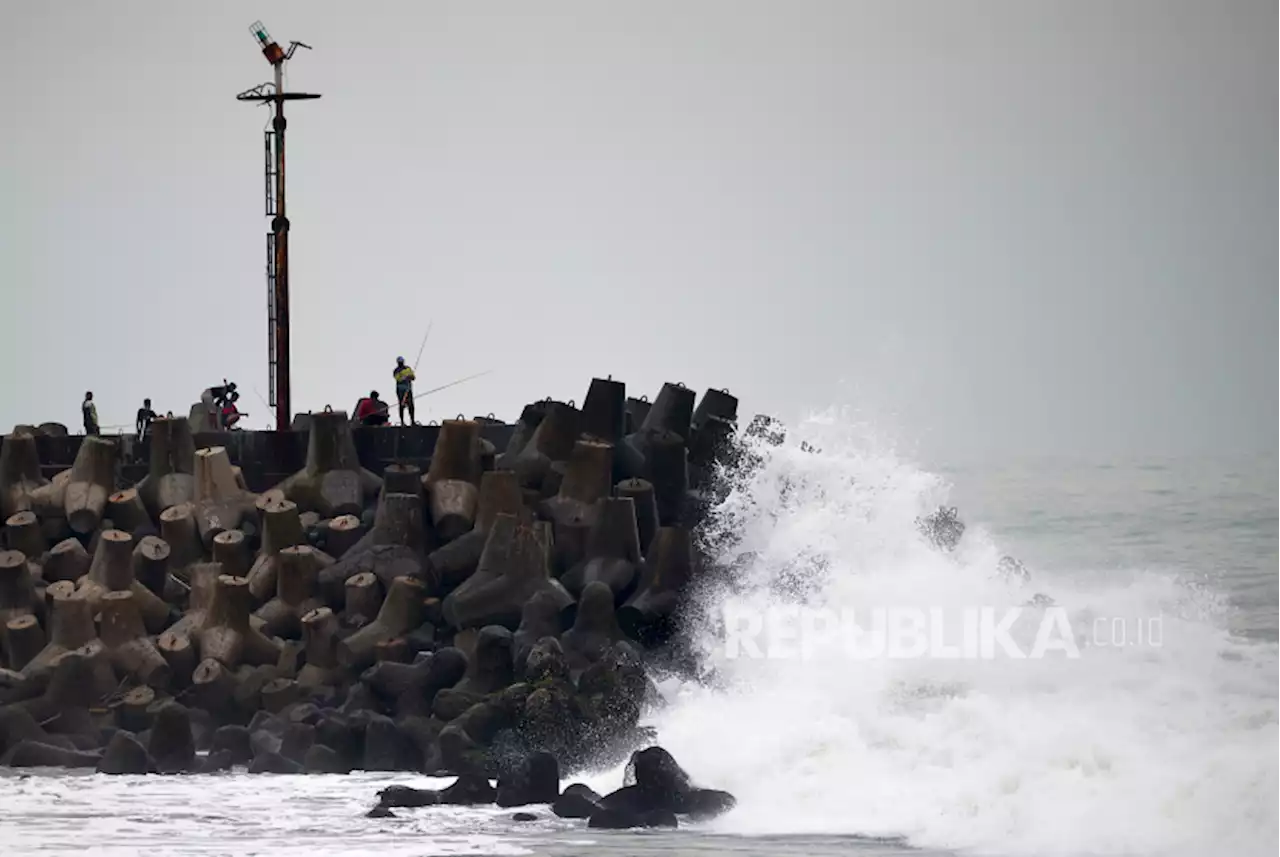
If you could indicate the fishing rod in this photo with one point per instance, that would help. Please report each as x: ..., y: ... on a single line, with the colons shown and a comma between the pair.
x: 264, y: 404
x: 453, y: 383
x: 422, y: 347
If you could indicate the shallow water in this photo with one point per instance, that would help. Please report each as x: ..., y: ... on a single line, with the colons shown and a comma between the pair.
x: 1137, y: 749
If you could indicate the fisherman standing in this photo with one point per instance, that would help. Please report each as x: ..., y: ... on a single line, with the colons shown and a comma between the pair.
x: 144, y: 418
x: 90, y: 413
x: 404, y: 389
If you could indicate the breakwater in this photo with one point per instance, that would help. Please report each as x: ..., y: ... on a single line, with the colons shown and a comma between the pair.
x: 266, y: 458
x: 473, y: 599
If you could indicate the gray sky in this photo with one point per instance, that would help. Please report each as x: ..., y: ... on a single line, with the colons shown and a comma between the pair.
x: 1014, y: 227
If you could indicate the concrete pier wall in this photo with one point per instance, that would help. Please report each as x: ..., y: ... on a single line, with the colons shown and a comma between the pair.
x: 267, y: 457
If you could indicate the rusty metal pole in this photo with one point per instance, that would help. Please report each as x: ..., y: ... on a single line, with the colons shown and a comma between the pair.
x: 278, y: 270
x: 280, y: 227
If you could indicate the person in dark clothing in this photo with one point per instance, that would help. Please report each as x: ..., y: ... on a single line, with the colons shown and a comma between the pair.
x: 145, y: 416
x: 372, y: 411
x: 90, y: 413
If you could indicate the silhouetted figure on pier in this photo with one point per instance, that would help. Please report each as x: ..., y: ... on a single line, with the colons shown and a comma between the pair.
x: 143, y: 421
x: 90, y: 413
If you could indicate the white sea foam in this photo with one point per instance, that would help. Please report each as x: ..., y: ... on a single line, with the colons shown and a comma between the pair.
x: 1133, y: 749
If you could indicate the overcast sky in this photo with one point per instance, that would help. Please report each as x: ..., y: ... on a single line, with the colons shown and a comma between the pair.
x: 1013, y: 227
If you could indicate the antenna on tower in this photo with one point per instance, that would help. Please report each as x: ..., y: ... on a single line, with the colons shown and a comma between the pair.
x: 272, y: 92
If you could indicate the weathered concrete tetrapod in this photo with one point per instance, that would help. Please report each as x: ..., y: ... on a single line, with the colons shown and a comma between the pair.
x: 452, y: 481
x: 169, y: 481
x: 341, y: 534
x: 19, y: 473
x: 70, y: 626
x: 401, y: 612
x: 131, y: 650
x: 226, y: 635
x: 112, y: 571
x: 612, y: 551
x: 126, y: 511
x: 67, y: 560
x: 595, y: 627
x: 604, y: 411
x: 23, y: 640
x: 333, y: 482
x: 668, y: 568
x: 715, y: 403
x: 220, y: 502
x: 320, y: 634
x: 281, y: 528
x: 178, y: 528
x: 92, y: 480
x: 512, y: 569
x: 22, y: 532
x: 297, y: 579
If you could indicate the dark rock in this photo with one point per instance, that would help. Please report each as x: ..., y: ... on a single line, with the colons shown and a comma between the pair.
x: 274, y: 763
x: 451, y: 703
x: 379, y: 812
x: 320, y: 759
x: 386, y: 748
x: 233, y: 740
x: 469, y: 790
x: 536, y: 780
x: 217, y: 761
x: 578, y: 801
x: 32, y: 754
x: 625, y: 819
x: 124, y: 755
x: 171, y: 745
x: 524, y: 816
x: 297, y: 740
x: 404, y: 796
x: 546, y: 661
x: 491, y: 669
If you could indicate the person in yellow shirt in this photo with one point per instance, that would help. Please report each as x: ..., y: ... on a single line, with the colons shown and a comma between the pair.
x: 404, y: 389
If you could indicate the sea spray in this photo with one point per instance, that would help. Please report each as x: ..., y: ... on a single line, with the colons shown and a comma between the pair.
x: 1128, y: 749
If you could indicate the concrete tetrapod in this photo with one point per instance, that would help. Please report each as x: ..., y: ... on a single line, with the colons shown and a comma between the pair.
x: 220, y: 503
x: 595, y: 628
x: 647, y: 615
x: 332, y: 482
x: 132, y: 652
x: 67, y: 560
x: 92, y: 480
x: 612, y: 550
x: 22, y: 533
x: 20, y: 473
x: 70, y: 628
x: 170, y: 479
x: 513, y: 568
x: 112, y: 571
x: 320, y: 634
x: 452, y: 481
x: 178, y: 529
x: 401, y: 612
x: 126, y: 511
x: 297, y: 581
x: 226, y: 635
x: 454, y: 562
x: 281, y: 528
